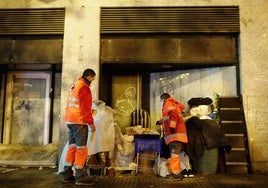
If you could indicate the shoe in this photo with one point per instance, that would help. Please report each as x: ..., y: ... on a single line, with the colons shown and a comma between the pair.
x: 177, y: 176
x: 67, y: 175
x: 82, y: 178
x: 85, y: 182
x: 184, y: 173
x: 70, y: 179
x: 190, y: 173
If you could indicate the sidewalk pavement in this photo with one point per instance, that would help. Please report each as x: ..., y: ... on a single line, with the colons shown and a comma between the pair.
x: 49, y: 178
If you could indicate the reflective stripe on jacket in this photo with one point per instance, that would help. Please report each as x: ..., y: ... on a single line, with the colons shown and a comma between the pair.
x: 79, y: 103
x: 172, y: 118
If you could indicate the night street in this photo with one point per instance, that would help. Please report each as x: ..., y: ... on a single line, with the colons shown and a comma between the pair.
x: 47, y: 177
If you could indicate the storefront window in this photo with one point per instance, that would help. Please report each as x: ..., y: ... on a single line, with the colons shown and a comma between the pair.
x: 186, y: 84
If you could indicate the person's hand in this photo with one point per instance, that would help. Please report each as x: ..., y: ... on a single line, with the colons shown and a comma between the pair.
x: 172, y: 130
x: 157, y: 123
x: 93, y: 128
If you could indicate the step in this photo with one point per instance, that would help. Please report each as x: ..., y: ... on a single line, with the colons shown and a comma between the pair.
x: 231, y: 115
x: 232, y: 122
x: 229, y: 109
x: 236, y: 140
x: 238, y: 149
x: 236, y: 155
x: 234, y: 135
x: 232, y: 127
x: 229, y: 102
x: 237, y: 168
x: 236, y: 163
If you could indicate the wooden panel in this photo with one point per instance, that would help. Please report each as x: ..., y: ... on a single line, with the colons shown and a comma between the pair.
x: 229, y: 102
x: 233, y: 125
x: 232, y: 128
x: 236, y: 156
x: 169, y: 49
x: 237, y: 169
x: 231, y: 115
x: 236, y: 141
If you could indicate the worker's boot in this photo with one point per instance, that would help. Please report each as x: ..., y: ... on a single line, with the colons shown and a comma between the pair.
x: 174, y: 165
x: 67, y: 175
x: 82, y: 178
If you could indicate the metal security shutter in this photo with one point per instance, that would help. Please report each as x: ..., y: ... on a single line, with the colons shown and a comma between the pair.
x: 32, y: 21
x: 170, y: 19
x: 176, y: 50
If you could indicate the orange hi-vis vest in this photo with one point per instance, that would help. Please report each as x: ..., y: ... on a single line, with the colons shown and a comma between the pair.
x: 73, y: 113
x: 172, y: 118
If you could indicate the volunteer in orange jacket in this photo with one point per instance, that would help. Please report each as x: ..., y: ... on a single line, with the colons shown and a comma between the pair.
x: 79, y: 119
x: 174, y: 131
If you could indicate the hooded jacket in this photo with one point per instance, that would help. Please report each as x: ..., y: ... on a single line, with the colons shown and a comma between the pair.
x: 172, y: 118
x: 79, y: 103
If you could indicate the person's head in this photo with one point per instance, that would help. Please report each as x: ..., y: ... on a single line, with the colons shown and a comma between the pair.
x: 89, y: 74
x: 164, y: 96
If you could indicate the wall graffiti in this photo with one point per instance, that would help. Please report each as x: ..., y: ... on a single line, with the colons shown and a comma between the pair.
x: 125, y: 104
x: 24, y: 105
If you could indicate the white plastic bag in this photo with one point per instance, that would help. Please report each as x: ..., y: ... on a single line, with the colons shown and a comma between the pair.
x: 163, y: 169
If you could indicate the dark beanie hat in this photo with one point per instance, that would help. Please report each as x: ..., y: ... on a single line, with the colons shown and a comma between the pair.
x: 199, y: 101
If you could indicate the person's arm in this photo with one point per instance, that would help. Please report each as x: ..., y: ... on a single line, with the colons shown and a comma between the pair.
x: 180, y: 106
x: 85, y: 98
x: 173, y: 117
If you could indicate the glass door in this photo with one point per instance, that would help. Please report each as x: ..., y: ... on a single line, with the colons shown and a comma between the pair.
x: 27, y: 108
x: 126, y: 97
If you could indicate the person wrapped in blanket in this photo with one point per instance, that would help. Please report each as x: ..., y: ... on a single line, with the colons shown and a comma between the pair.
x: 203, y: 132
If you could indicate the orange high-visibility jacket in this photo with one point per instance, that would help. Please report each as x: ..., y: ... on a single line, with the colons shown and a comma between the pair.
x: 172, y: 117
x: 79, y: 103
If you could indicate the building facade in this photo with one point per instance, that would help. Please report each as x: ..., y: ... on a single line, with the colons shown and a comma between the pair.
x: 80, y: 45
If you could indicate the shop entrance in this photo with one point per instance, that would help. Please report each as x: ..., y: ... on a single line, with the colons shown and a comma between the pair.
x: 162, y: 44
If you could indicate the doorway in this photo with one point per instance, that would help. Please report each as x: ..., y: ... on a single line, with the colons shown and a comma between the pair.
x: 126, y: 97
x: 125, y: 91
x: 27, y: 114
